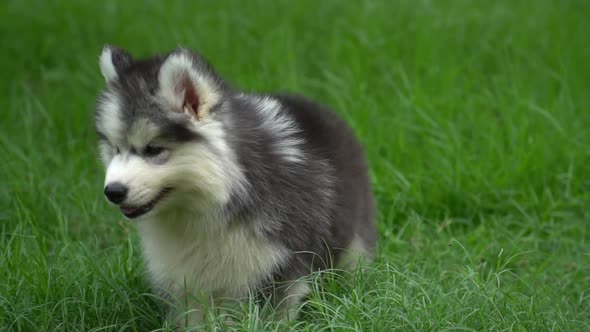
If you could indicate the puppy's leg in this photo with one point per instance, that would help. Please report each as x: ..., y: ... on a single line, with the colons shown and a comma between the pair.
x: 291, y: 299
x: 356, y: 256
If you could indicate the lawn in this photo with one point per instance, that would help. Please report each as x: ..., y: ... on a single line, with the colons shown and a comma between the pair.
x: 475, y: 116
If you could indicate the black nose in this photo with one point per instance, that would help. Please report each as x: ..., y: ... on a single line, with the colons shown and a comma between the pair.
x: 115, y: 192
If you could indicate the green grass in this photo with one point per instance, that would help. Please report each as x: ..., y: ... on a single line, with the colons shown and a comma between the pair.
x: 475, y: 115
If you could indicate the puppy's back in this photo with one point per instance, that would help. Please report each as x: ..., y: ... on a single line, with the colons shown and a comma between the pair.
x: 328, y: 136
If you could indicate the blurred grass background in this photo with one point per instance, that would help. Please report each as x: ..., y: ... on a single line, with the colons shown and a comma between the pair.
x: 475, y: 117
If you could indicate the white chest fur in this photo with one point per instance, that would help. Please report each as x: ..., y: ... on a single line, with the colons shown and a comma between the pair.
x: 227, y: 261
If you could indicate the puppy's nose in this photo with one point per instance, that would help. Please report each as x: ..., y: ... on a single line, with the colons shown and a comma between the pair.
x: 116, y: 192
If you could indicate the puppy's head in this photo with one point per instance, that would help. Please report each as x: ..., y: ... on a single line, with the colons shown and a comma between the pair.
x: 161, y: 133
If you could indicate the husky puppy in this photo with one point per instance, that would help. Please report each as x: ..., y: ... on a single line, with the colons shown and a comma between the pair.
x: 232, y: 193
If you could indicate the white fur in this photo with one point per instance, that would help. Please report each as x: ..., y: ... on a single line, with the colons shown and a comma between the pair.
x: 295, y: 293
x: 213, y: 168
x: 170, y: 76
x: 282, y: 127
x: 356, y: 254
x: 110, y: 122
x: 227, y: 261
x: 142, y: 133
x: 134, y: 172
x: 142, y: 179
x: 106, y: 65
x: 106, y: 152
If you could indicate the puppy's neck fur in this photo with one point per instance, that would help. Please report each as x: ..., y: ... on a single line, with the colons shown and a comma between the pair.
x: 184, y: 248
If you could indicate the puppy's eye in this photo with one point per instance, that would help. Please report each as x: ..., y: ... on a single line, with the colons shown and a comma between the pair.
x: 152, y: 150
x: 117, y: 151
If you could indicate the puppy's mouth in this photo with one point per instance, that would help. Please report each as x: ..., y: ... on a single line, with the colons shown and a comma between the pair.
x: 131, y: 211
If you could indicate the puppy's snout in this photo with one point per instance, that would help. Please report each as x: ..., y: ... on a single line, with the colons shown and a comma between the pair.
x: 116, y: 192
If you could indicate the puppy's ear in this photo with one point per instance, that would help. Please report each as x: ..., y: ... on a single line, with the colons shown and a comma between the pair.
x: 113, y: 61
x: 185, y: 87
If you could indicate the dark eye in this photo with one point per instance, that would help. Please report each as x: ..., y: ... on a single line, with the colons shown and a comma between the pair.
x: 117, y: 150
x: 153, y: 150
